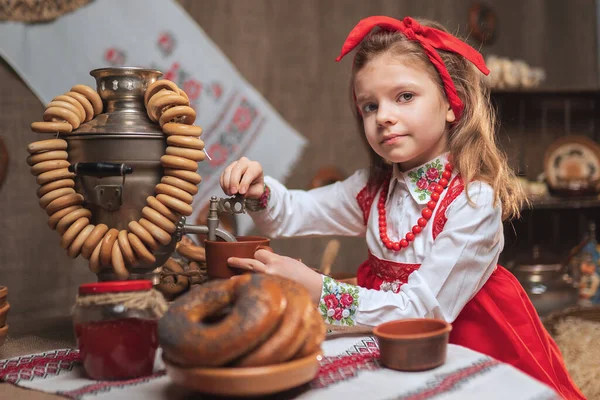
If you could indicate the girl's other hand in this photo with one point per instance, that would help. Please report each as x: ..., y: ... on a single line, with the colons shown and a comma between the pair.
x: 243, y: 177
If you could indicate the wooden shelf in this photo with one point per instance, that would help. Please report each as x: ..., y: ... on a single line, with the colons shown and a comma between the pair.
x: 555, y: 202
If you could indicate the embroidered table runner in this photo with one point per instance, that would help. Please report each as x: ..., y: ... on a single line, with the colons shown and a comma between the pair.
x: 350, y: 369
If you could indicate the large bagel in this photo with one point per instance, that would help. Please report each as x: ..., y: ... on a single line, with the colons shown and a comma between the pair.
x: 317, y: 332
x: 293, y: 329
x: 190, y: 338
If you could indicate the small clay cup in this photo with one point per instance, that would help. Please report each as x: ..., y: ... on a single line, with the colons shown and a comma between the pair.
x: 218, y: 252
x: 415, y: 344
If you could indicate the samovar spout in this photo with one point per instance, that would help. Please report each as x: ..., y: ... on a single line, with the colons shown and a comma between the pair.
x: 211, y: 229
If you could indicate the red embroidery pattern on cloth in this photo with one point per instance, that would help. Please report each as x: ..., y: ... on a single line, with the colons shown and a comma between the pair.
x: 451, y: 381
x: 38, y: 366
x: 363, y: 356
x: 454, y: 189
x: 106, y: 386
x: 391, y: 271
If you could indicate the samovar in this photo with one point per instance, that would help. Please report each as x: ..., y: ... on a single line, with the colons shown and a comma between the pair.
x: 116, y: 160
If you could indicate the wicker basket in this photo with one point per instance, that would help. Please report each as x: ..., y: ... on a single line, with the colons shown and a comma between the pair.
x: 586, y: 313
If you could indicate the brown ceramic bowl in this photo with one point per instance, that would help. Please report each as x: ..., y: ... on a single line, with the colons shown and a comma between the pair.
x: 217, y: 254
x: 4, y: 313
x: 413, y: 344
x: 246, y: 382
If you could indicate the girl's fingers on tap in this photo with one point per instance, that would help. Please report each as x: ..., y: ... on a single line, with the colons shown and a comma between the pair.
x: 239, y: 170
x: 252, y: 183
x: 226, y: 179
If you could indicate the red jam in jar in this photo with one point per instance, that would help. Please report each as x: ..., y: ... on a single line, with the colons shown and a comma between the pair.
x: 116, y: 338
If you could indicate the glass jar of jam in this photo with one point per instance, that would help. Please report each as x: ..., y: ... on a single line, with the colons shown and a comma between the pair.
x: 116, y: 328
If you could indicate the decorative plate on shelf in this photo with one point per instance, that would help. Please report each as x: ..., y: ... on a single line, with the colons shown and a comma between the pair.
x: 572, y: 166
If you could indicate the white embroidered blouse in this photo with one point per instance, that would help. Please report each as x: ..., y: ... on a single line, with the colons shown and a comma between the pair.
x: 453, y: 267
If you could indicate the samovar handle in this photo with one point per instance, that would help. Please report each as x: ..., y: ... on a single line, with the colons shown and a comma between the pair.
x: 100, y: 169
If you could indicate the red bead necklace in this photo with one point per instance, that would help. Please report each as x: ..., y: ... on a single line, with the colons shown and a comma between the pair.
x: 425, y: 214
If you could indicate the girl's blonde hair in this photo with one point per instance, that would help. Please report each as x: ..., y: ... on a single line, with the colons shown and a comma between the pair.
x: 472, y: 139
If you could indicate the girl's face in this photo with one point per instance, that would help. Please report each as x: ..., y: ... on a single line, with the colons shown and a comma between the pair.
x: 404, y: 112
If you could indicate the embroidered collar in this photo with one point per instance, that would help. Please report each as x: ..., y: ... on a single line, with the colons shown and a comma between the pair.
x: 420, y: 180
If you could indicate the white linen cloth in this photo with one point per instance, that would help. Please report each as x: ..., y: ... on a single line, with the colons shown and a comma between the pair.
x: 349, y: 370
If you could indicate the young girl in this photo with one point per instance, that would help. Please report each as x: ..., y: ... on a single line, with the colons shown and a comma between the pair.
x: 431, y: 205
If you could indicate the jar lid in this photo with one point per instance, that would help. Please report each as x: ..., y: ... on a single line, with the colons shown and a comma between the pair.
x: 115, y: 286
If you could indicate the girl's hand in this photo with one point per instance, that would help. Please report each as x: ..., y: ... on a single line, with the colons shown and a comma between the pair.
x: 244, y: 177
x: 267, y: 262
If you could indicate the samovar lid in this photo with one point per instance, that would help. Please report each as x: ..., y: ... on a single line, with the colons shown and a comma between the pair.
x: 122, y: 92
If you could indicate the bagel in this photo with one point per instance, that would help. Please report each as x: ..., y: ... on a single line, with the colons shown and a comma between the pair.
x: 171, y: 128
x: 317, y: 332
x: 63, y: 98
x: 47, y: 156
x: 61, y: 183
x: 57, y: 216
x: 161, y: 208
x: 172, y: 285
x: 156, y: 86
x: 91, y: 95
x: 126, y: 249
x: 85, y: 104
x: 191, y: 337
x: 192, y: 252
x: 47, y: 145
x: 189, y: 176
x: 92, y: 240
x: 293, y: 329
x: 180, y: 184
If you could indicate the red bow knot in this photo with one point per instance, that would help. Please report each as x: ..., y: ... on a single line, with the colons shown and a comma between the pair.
x: 412, y: 28
x: 431, y: 39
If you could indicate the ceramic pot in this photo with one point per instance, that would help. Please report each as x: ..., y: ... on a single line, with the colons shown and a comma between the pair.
x: 218, y: 252
x: 545, y: 280
x: 415, y: 344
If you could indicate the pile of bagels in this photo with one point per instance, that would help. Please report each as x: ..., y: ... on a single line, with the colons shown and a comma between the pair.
x: 250, y: 320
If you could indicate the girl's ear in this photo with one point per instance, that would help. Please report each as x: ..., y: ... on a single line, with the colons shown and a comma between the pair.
x: 450, y: 117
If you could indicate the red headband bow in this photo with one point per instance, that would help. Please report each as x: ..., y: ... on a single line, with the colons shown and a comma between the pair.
x: 430, y: 39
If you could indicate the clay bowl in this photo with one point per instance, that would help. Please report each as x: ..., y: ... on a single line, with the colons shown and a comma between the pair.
x: 3, y: 333
x: 413, y: 344
x: 246, y: 382
x: 4, y: 313
x: 218, y: 252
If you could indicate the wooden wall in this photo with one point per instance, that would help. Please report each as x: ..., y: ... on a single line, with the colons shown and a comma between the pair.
x: 286, y: 49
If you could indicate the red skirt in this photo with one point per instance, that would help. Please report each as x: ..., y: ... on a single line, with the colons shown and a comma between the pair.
x: 499, y: 321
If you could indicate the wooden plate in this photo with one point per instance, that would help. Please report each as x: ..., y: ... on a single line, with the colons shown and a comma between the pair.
x: 251, y: 381
x: 572, y: 164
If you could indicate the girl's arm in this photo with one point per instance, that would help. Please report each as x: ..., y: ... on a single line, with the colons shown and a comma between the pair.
x: 329, y: 210
x: 462, y: 258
